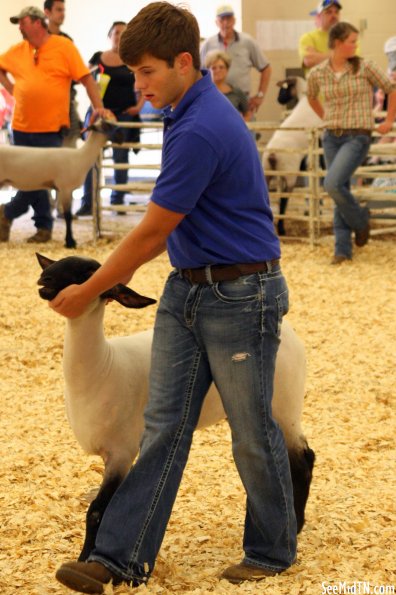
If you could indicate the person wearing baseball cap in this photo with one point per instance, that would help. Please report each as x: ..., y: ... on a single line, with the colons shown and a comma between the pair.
x: 390, y: 51
x: 30, y: 11
x: 313, y: 46
x: 245, y: 54
x: 324, y: 5
x: 38, y: 72
x: 224, y: 11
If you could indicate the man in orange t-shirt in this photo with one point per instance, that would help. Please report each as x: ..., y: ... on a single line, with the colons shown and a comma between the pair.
x: 42, y: 66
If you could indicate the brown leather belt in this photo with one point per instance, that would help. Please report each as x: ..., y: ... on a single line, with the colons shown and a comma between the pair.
x: 227, y: 272
x: 342, y: 131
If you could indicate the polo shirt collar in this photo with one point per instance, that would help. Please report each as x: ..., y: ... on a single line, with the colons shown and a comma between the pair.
x: 236, y: 37
x: 203, y: 84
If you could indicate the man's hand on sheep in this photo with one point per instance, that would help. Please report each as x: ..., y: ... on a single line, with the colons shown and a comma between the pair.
x: 71, y: 302
x: 101, y: 112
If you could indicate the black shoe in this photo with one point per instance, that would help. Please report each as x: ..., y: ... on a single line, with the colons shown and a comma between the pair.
x: 84, y: 211
x: 86, y: 577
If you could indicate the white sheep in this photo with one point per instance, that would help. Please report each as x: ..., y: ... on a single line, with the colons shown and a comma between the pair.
x: 273, y: 157
x: 62, y: 169
x: 106, y: 389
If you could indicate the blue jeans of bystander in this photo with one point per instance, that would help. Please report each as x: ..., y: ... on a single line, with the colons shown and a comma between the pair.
x: 343, y: 154
x: 227, y: 332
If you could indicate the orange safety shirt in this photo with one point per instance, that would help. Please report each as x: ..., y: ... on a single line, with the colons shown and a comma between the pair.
x: 42, y: 82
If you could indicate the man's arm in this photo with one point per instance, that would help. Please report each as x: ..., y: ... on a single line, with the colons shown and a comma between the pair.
x: 255, y: 102
x: 312, y: 57
x: 6, y: 82
x: 93, y: 93
x: 143, y: 243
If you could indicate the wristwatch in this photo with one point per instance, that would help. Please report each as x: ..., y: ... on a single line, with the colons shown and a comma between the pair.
x: 260, y: 94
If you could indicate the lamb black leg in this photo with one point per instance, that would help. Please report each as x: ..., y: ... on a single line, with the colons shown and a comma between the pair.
x: 282, y: 210
x: 69, y: 240
x: 95, y: 514
x: 301, y: 467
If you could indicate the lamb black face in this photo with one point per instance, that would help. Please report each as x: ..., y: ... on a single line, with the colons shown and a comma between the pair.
x: 59, y: 274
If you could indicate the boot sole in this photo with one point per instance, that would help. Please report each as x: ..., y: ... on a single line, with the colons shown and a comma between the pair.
x: 79, y: 582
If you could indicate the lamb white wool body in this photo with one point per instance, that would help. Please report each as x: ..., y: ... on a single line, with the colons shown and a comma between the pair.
x: 62, y: 169
x: 106, y: 389
x: 273, y: 157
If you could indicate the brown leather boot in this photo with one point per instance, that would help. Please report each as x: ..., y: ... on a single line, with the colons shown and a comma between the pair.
x: 246, y: 572
x: 339, y: 258
x: 86, y: 577
x: 40, y: 237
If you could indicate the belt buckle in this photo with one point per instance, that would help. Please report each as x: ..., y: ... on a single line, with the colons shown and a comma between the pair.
x: 338, y: 132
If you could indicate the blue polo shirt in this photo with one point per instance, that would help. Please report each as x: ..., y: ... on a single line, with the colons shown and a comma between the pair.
x: 211, y: 172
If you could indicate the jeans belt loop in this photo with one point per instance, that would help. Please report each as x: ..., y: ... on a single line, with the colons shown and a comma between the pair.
x: 208, y: 275
x: 269, y: 266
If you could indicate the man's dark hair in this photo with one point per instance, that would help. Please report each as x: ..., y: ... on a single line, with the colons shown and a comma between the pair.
x: 115, y: 24
x: 48, y: 4
x: 163, y: 31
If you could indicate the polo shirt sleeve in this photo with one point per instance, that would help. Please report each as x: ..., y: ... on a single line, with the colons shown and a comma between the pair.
x: 78, y: 68
x: 7, y: 60
x: 257, y: 57
x: 189, y: 164
x: 206, y: 47
x: 304, y: 43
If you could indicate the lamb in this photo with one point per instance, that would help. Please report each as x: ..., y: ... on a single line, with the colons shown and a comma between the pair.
x: 63, y: 169
x: 106, y: 388
x: 273, y: 157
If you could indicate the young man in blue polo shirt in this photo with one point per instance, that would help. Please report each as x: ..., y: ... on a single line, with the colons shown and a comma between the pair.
x: 218, y: 319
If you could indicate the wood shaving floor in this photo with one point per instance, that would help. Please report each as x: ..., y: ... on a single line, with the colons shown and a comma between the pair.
x: 346, y: 317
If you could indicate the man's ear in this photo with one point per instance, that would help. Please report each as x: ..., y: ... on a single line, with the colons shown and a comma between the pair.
x: 184, y: 62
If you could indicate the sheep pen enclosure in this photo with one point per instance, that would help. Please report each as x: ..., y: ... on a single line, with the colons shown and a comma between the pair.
x: 345, y: 316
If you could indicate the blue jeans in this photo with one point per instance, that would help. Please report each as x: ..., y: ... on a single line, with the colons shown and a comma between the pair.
x: 228, y: 333
x: 343, y: 154
x: 131, y: 135
x: 38, y: 199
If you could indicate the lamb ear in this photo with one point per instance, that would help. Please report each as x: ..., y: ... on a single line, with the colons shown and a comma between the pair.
x: 44, y: 262
x: 127, y: 297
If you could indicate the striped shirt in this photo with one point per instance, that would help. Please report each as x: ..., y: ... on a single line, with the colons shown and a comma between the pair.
x: 348, y: 98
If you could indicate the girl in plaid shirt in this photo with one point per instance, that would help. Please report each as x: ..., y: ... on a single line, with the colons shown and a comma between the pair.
x: 346, y: 83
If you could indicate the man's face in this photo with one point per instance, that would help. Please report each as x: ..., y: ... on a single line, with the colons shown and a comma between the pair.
x: 159, y: 83
x: 57, y: 13
x: 226, y: 25
x: 329, y: 17
x: 28, y: 27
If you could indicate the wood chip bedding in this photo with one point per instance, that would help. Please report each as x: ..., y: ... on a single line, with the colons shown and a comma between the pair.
x: 346, y: 317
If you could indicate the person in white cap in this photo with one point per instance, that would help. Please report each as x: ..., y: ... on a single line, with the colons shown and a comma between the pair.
x: 313, y: 46
x: 245, y: 54
x: 38, y: 72
x: 390, y: 51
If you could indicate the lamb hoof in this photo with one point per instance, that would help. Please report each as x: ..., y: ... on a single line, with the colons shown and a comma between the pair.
x: 71, y: 244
